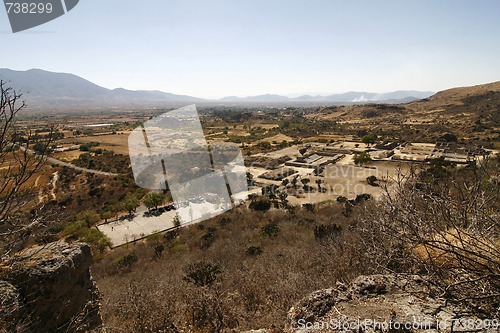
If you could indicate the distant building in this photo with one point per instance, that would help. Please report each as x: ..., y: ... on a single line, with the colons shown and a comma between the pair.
x: 387, y: 146
x: 447, y: 151
x: 383, y: 154
x: 278, y: 174
x: 314, y: 160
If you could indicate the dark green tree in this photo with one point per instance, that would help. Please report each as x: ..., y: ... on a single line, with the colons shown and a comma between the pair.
x: 153, y: 200
x: 369, y: 139
x: 361, y: 158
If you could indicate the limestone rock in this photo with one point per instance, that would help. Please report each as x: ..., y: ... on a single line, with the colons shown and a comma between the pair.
x: 382, y: 303
x: 52, y: 288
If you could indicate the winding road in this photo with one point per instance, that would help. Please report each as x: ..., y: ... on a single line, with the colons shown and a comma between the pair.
x: 69, y: 165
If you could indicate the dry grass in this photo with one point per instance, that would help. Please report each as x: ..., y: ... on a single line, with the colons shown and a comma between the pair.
x: 67, y: 156
x: 444, y: 247
x: 252, y: 291
x: 116, y: 142
x: 278, y: 138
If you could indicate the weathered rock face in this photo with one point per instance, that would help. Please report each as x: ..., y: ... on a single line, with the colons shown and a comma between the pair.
x: 381, y: 303
x: 49, y: 289
x: 10, y: 319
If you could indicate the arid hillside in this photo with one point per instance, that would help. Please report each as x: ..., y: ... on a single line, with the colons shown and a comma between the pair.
x: 470, y: 113
x: 461, y: 93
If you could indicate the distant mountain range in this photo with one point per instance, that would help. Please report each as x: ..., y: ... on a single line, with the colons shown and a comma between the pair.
x: 400, y: 96
x: 45, y: 88
x: 42, y: 88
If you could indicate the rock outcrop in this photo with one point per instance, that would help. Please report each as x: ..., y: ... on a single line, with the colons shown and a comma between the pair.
x: 383, y: 303
x: 9, y: 308
x: 49, y: 289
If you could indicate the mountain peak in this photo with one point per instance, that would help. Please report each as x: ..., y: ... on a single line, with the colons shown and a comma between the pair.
x: 63, y: 89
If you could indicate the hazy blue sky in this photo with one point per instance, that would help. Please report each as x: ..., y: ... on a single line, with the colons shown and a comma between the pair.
x: 215, y: 48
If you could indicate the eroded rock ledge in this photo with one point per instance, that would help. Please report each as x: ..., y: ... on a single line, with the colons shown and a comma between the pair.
x: 381, y: 303
x: 49, y: 289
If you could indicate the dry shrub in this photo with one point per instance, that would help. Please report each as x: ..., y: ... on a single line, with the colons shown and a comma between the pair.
x: 249, y: 291
x: 445, y: 228
x: 443, y: 222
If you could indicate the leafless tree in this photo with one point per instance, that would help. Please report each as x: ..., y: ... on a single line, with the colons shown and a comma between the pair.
x: 18, y: 163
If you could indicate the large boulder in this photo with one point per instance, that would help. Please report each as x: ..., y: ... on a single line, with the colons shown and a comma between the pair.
x: 49, y: 289
x: 382, y: 303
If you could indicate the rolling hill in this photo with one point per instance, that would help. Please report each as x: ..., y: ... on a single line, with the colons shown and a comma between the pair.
x: 471, y: 113
x: 42, y: 88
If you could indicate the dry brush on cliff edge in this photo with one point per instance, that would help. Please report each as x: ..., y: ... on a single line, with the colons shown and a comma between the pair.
x: 443, y: 223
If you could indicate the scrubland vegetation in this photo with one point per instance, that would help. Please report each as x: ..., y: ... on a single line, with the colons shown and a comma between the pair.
x: 246, y: 268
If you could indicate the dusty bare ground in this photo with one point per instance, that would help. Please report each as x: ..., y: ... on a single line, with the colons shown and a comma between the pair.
x: 349, y: 181
x: 278, y: 138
